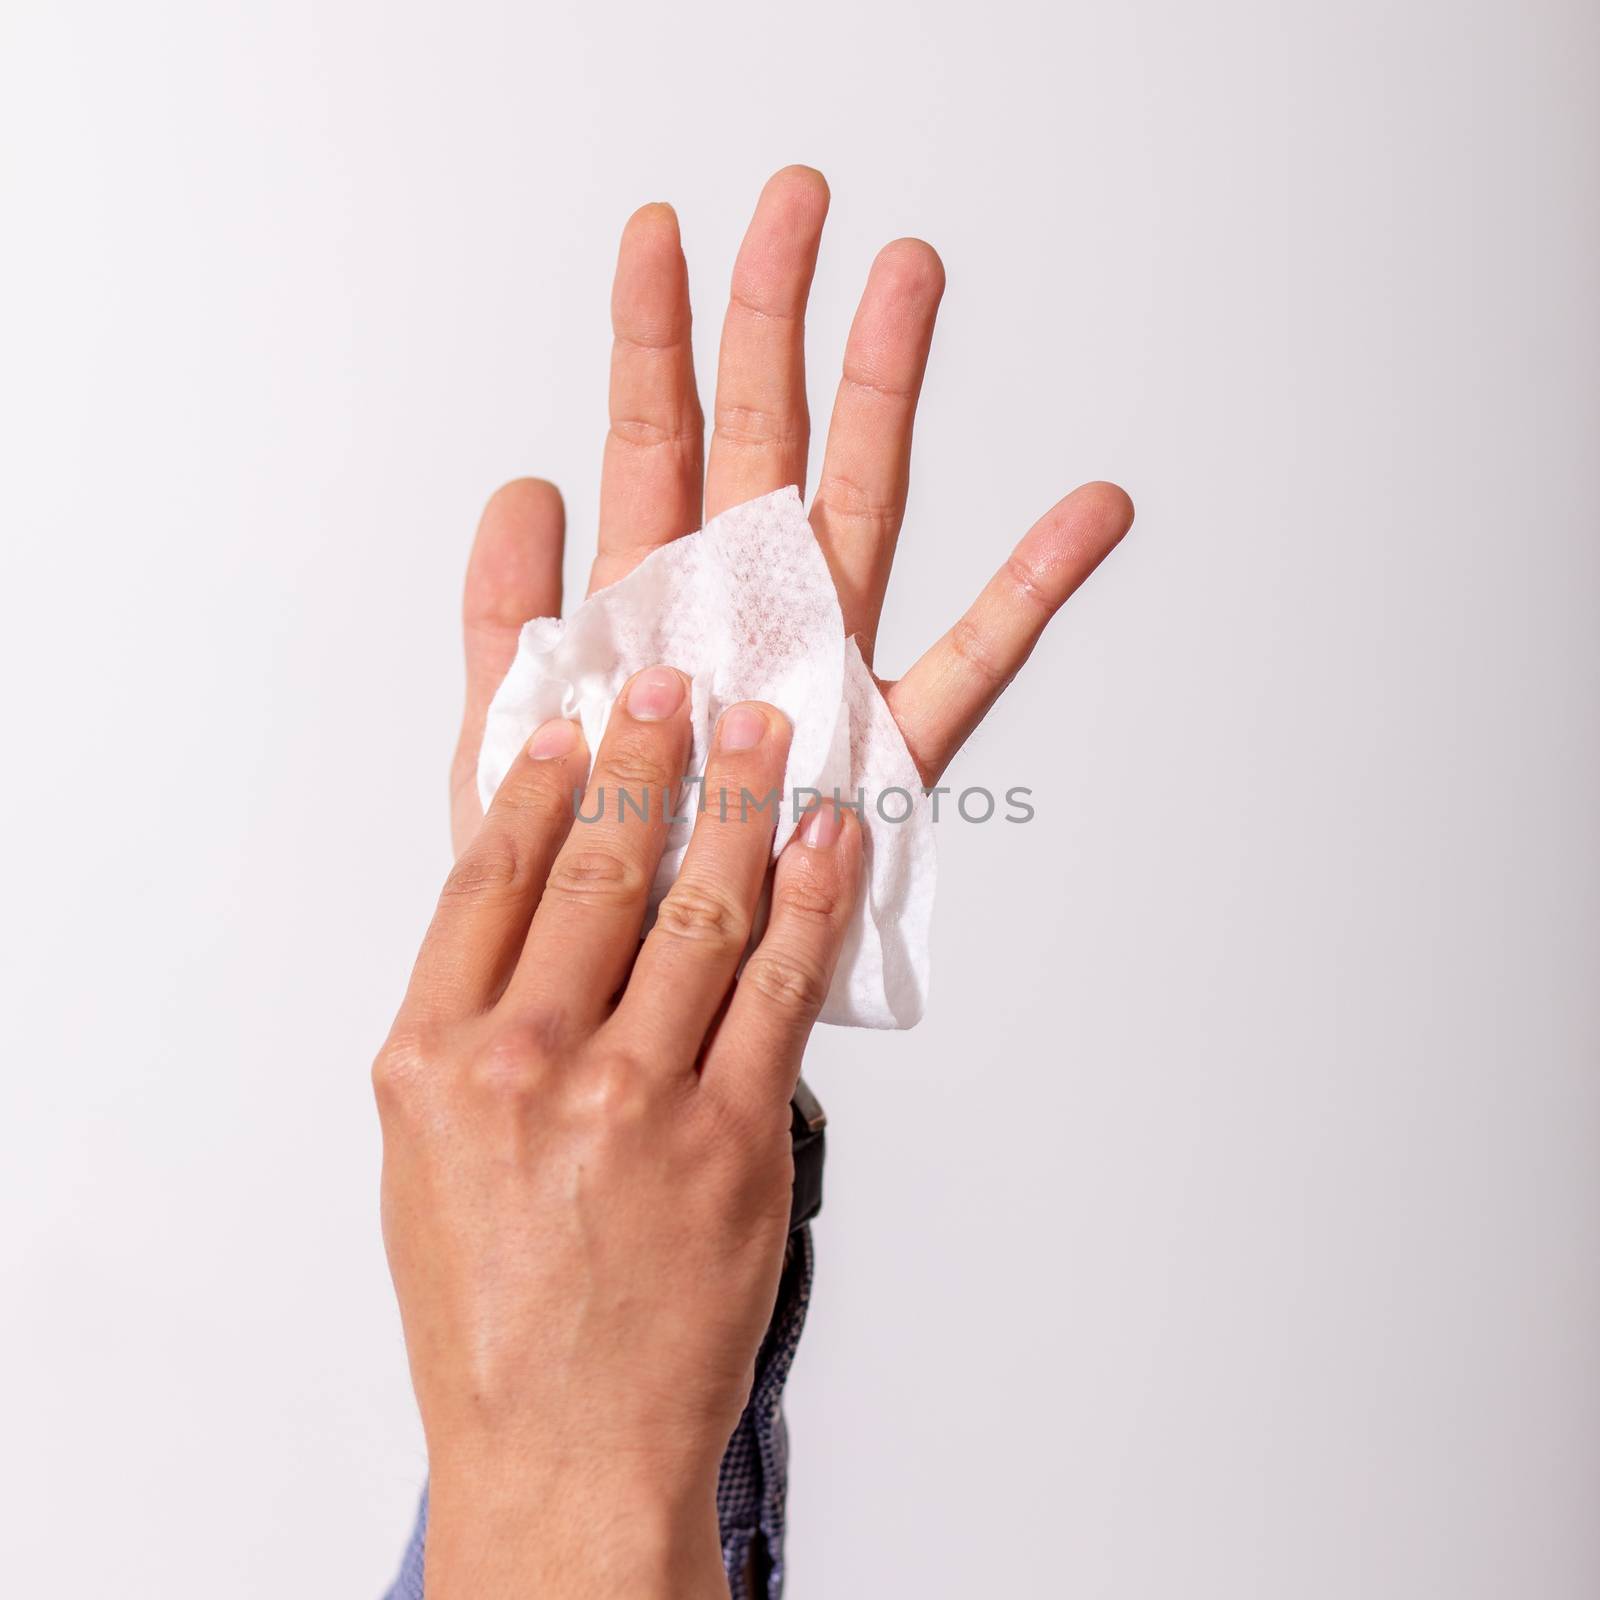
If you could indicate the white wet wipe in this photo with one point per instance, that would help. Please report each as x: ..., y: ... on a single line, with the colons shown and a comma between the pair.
x: 746, y: 607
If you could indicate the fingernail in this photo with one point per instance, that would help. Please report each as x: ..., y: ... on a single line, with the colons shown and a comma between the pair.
x: 655, y: 695
x: 557, y: 738
x: 822, y: 827
x: 741, y: 728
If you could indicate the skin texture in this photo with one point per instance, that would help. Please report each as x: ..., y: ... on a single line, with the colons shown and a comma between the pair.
x: 586, y: 1150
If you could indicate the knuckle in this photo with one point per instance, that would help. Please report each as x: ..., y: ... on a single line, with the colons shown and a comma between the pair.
x: 1028, y: 584
x: 637, y: 763
x: 512, y: 1063
x: 762, y: 308
x: 694, y: 910
x: 492, y: 864
x: 647, y: 433
x: 616, y: 1090
x: 400, y: 1068
x: 792, y: 983
x: 861, y: 379
x: 598, y: 876
x: 652, y: 337
x: 969, y: 643
x: 805, y: 892
x: 851, y: 501
x: 871, y: 383
x: 538, y: 797
x: 759, y: 427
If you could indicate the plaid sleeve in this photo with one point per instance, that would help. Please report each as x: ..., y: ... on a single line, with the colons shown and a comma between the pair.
x: 754, y: 1478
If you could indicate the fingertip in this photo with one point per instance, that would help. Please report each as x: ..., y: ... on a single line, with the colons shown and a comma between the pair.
x: 650, y: 291
x: 1111, y: 502
x: 850, y: 832
x: 514, y: 571
x: 800, y: 192
x: 826, y: 824
x: 776, y: 719
x: 801, y: 177
x: 1093, y: 518
x: 521, y: 500
x: 656, y: 220
x: 656, y: 694
x: 750, y: 723
x: 555, y: 740
x: 649, y: 258
x: 848, y: 843
x: 911, y: 268
x: 825, y: 854
x: 1071, y: 539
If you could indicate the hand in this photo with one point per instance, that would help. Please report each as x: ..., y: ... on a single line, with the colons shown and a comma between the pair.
x: 586, y: 1196
x: 657, y: 484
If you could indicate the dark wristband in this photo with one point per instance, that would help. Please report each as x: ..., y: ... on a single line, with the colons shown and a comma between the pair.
x: 806, y: 1123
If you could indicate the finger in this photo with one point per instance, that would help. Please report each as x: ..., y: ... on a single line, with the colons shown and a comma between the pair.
x: 762, y: 429
x: 947, y: 693
x: 489, y: 898
x: 755, y: 1056
x: 514, y: 573
x: 866, y: 467
x: 585, y: 933
x: 650, y: 482
x: 703, y: 925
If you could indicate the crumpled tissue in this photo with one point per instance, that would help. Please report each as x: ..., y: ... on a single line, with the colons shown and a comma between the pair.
x: 746, y: 607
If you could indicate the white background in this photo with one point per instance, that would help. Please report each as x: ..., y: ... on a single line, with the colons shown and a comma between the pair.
x: 1231, y: 1227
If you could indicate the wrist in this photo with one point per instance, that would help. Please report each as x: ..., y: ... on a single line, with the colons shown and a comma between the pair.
x: 573, y: 1535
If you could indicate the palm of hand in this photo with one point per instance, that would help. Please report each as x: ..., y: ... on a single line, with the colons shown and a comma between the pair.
x: 659, y: 483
